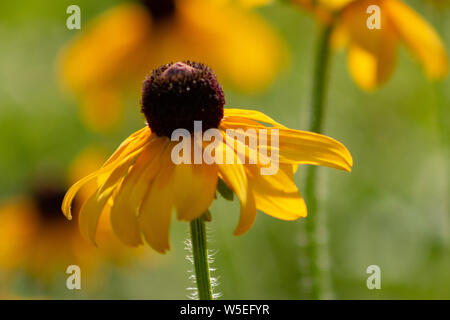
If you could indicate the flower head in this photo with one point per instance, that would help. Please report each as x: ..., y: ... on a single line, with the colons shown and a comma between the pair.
x: 110, y: 56
x: 143, y: 183
x: 371, y: 52
x: 176, y: 95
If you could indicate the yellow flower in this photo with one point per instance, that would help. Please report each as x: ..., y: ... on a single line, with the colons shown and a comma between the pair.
x: 108, y: 246
x: 34, y: 238
x: 116, y: 50
x: 372, y: 53
x: 141, y: 185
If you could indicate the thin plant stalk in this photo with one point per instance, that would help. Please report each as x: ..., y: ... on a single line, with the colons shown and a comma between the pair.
x: 315, y: 247
x: 200, y: 259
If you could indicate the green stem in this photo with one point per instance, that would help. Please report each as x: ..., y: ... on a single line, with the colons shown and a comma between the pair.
x: 320, y: 79
x: 313, y: 246
x: 201, y: 262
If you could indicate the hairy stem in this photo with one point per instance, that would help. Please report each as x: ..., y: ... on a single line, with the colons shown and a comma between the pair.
x: 201, y: 262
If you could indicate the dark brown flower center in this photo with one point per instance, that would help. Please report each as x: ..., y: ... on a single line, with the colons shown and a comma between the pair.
x: 48, y: 202
x: 177, y: 94
x: 160, y: 9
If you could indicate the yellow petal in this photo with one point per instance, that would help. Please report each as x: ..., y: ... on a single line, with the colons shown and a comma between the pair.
x: 119, y: 171
x: 71, y: 193
x: 86, y: 162
x: 302, y: 147
x: 372, y: 52
x: 276, y: 195
x: 363, y: 67
x: 248, y: 214
x: 244, y: 115
x: 132, y: 143
x: 130, y: 146
x: 235, y: 177
x: 90, y: 214
x: 194, y: 186
x: 370, y: 69
x: 156, y: 210
x: 125, y: 207
x: 420, y: 37
x: 233, y: 174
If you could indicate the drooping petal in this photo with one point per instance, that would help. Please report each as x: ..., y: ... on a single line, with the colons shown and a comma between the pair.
x: 233, y: 174
x: 420, y: 37
x: 86, y: 162
x: 130, y: 144
x: 372, y: 51
x: 370, y: 69
x: 248, y: 214
x: 90, y: 214
x: 194, y: 187
x: 129, y: 149
x: 157, y: 206
x: 66, y: 206
x: 244, y: 144
x: 276, y: 195
x: 301, y: 147
x: 131, y: 193
x: 235, y: 177
x: 120, y: 169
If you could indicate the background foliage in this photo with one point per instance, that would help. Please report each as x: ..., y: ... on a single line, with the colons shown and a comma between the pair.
x: 392, y: 210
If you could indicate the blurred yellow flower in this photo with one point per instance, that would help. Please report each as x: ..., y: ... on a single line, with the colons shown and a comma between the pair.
x: 117, y: 49
x: 371, y: 53
x: 141, y: 185
x: 34, y: 238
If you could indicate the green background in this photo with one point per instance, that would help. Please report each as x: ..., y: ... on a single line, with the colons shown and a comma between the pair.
x: 391, y: 211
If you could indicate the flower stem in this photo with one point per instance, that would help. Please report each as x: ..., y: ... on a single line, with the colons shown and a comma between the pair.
x: 314, y: 246
x: 201, y: 262
x: 320, y: 79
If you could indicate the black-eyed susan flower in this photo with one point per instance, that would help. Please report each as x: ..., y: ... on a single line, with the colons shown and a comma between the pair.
x: 142, y: 184
x: 109, y: 56
x: 371, y: 52
x: 35, y: 239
